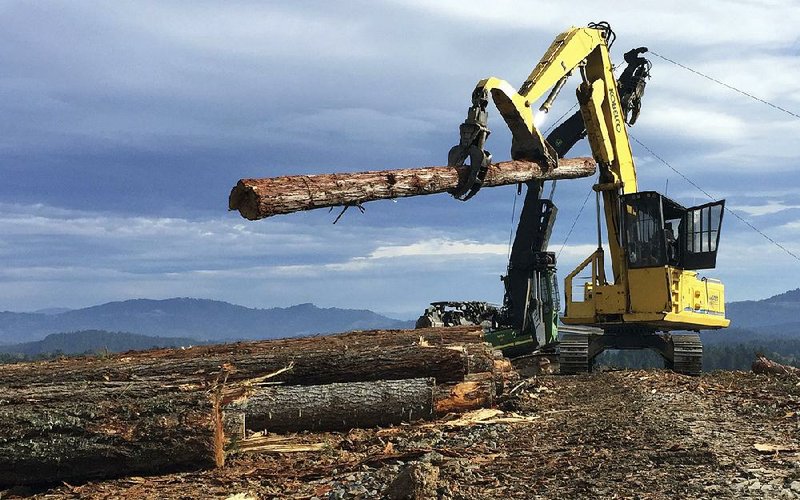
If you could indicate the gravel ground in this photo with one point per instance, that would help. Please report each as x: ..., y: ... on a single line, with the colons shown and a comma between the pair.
x: 623, y: 434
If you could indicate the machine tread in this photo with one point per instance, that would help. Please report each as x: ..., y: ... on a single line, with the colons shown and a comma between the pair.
x: 573, y: 353
x: 687, y: 354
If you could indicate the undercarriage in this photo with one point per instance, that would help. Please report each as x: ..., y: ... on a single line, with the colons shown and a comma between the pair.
x: 579, y: 347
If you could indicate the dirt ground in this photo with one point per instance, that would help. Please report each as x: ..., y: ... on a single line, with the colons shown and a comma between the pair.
x: 622, y: 434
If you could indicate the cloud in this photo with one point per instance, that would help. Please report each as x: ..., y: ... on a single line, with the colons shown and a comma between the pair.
x: 687, y: 120
x: 439, y: 247
x: 361, y: 127
x: 77, y: 258
x: 684, y: 21
x: 128, y: 255
x: 770, y: 207
x: 127, y: 124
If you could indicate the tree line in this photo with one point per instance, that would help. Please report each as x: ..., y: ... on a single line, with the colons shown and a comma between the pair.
x: 721, y: 356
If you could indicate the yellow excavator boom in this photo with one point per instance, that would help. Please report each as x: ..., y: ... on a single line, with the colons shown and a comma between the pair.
x: 655, y: 245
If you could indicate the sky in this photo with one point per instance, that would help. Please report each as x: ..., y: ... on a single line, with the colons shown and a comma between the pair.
x: 125, y: 125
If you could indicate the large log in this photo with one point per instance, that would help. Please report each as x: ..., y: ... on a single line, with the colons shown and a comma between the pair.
x: 260, y: 198
x: 446, y: 354
x: 75, y: 419
x: 76, y: 431
x: 334, y: 407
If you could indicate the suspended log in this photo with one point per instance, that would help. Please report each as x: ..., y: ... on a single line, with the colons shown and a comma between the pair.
x: 260, y: 198
x: 336, y: 407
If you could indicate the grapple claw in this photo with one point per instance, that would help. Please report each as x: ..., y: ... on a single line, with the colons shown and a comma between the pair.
x: 473, y: 132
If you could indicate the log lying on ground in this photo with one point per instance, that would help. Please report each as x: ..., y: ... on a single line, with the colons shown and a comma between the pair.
x: 260, y: 198
x: 75, y: 419
x: 358, y: 356
x: 335, y: 407
x: 765, y: 365
x: 77, y: 431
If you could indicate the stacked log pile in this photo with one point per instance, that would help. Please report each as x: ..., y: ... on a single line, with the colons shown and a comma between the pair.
x: 75, y: 419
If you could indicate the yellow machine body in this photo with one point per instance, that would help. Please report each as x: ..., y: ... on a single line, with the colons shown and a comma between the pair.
x: 664, y: 298
x: 657, y: 298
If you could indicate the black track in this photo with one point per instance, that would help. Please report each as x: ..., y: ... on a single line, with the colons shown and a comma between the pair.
x: 682, y: 353
x: 573, y: 353
x: 687, y: 354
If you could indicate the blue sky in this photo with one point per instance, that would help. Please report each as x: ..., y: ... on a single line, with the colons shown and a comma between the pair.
x: 125, y: 124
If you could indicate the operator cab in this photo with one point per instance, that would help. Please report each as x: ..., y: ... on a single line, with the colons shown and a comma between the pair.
x: 658, y: 232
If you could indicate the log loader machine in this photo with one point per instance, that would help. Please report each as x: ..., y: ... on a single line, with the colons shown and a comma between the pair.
x: 656, y: 245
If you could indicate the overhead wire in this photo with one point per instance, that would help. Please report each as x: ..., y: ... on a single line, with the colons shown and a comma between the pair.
x: 665, y: 162
x: 511, y: 227
x: 731, y: 87
x: 574, y: 222
x: 746, y: 94
x: 560, y: 118
x: 728, y: 210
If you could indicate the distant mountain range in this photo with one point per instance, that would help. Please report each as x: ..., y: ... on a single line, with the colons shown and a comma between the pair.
x: 779, y: 309
x: 777, y: 317
x: 143, y: 323
x: 198, y: 319
x: 94, y: 341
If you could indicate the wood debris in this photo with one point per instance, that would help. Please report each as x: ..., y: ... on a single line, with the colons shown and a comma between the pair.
x: 76, y: 419
x: 600, y: 436
x: 766, y: 366
x: 487, y: 416
x: 774, y: 448
x: 260, y: 443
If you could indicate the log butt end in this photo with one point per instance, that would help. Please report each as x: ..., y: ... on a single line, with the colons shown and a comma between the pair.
x: 244, y: 199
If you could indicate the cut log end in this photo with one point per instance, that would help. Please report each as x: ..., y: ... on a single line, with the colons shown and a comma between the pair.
x: 244, y: 199
x: 476, y: 391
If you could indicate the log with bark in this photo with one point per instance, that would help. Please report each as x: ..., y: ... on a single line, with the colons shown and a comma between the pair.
x: 446, y: 354
x: 78, y: 430
x: 343, y: 406
x: 766, y: 366
x: 335, y: 407
x: 260, y: 198
x: 145, y: 412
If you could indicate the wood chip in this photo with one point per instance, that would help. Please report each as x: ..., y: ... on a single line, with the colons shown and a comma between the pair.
x: 485, y: 416
x: 272, y: 444
x: 774, y: 448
